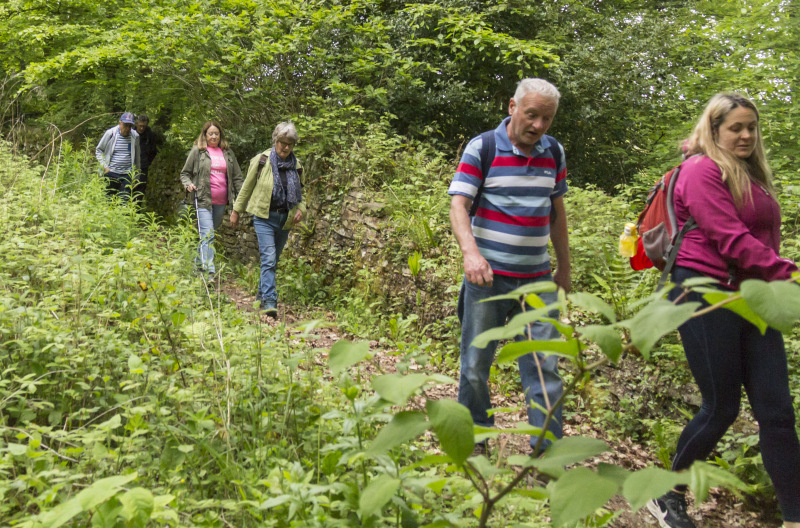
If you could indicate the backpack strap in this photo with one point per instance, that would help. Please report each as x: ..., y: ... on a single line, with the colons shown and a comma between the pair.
x: 675, y: 247
x: 555, y: 152
x: 677, y: 236
x: 673, y: 219
x: 487, y: 153
x: 261, y: 162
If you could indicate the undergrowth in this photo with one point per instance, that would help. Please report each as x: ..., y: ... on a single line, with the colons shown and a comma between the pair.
x: 133, y: 393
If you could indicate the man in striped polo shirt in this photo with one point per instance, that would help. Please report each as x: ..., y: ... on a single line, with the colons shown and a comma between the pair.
x: 119, y: 153
x: 520, y: 206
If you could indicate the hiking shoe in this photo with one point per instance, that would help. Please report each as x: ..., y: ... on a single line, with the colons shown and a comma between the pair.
x: 670, y: 511
x: 270, y: 309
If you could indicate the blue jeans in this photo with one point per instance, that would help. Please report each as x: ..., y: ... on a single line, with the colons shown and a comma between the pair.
x: 726, y: 353
x: 477, y: 317
x: 208, y: 221
x: 271, y: 240
x: 118, y: 184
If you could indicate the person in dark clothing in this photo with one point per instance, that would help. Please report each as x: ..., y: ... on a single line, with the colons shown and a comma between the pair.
x: 148, y: 143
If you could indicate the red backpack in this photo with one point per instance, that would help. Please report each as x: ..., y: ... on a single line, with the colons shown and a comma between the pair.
x: 659, y: 238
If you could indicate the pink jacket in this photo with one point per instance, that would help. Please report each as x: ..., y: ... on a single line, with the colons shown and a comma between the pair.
x: 749, y: 237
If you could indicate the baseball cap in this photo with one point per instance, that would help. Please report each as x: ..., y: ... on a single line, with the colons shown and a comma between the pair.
x: 127, y: 117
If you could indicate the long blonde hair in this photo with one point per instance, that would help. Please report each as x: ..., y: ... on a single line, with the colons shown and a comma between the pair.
x: 736, y: 172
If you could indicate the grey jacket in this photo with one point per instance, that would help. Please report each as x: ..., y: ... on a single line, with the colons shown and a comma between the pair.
x: 197, y: 171
x: 105, y: 148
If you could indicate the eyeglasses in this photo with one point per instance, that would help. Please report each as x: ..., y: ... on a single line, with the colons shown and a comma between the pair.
x: 286, y: 144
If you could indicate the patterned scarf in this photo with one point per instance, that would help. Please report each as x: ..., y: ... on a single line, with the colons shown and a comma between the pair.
x: 290, y: 196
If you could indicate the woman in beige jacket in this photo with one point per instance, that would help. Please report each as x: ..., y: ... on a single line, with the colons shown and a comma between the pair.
x: 273, y: 194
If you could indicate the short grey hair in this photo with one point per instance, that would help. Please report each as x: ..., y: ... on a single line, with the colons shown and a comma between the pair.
x: 285, y: 130
x: 537, y: 86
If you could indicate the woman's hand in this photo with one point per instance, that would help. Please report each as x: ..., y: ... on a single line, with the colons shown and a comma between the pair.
x: 234, y: 218
x: 298, y: 216
x: 191, y: 188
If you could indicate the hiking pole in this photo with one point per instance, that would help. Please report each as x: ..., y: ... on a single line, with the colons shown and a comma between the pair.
x: 199, y: 232
x: 196, y: 214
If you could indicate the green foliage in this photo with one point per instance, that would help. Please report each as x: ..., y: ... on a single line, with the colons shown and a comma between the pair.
x: 116, y: 356
x: 578, y: 493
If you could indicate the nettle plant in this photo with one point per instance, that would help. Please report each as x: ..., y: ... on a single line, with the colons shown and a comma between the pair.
x: 576, y: 493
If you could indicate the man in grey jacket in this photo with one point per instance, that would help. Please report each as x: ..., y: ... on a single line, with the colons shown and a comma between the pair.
x: 120, y: 156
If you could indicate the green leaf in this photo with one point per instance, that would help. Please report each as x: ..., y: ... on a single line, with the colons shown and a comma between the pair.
x: 404, y: 426
x: 518, y: 325
x: 513, y: 351
x: 534, y: 301
x: 274, y: 501
x: 739, y: 307
x: 703, y: 476
x: 379, y: 491
x: 650, y: 483
x: 103, y: 489
x: 86, y: 500
x: 568, y: 451
x: 693, y: 282
x: 593, y: 303
x: 778, y: 303
x: 398, y: 388
x: 135, y: 364
x: 112, y: 423
x: 345, y: 353
x: 655, y: 320
x: 485, y: 468
x: 606, y: 337
x: 453, y: 426
x: 525, y: 289
x: 615, y: 473
x: 178, y: 318
x: 564, y: 329
x: 17, y: 449
x: 580, y: 492
x: 482, y: 433
x: 137, y: 503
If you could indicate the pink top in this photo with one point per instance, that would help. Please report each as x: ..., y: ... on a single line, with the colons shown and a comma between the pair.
x: 749, y: 237
x: 219, y: 176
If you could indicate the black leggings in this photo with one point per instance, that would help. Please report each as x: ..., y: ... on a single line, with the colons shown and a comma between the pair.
x: 725, y: 352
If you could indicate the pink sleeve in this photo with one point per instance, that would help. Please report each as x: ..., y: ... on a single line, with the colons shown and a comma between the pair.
x: 709, y: 201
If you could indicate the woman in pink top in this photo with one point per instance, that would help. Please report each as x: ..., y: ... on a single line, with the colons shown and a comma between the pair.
x: 212, y: 172
x: 727, y: 188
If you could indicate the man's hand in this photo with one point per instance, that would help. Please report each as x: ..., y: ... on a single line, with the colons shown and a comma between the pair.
x: 563, y: 278
x: 234, y: 218
x: 477, y: 270
x: 191, y: 188
x: 106, y: 170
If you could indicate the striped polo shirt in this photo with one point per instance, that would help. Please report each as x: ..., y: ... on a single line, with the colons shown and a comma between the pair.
x: 121, y: 161
x: 512, y: 223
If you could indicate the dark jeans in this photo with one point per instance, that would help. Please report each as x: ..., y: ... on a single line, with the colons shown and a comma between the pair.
x: 726, y: 353
x: 118, y: 184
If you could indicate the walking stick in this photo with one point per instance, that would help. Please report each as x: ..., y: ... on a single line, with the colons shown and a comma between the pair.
x: 199, y: 233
